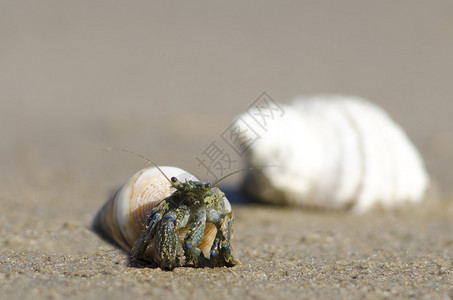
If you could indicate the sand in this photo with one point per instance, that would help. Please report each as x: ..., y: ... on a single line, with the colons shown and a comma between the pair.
x: 166, y: 80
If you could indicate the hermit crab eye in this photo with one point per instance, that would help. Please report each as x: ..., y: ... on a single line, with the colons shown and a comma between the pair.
x: 206, y: 185
x: 174, y: 179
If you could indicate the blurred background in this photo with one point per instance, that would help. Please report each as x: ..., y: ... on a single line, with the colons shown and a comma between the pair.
x: 167, y: 78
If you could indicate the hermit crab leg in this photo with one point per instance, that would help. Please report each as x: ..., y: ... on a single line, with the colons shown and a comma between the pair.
x: 193, y: 238
x: 168, y: 251
x: 226, y: 250
x: 221, y: 250
x: 139, y: 249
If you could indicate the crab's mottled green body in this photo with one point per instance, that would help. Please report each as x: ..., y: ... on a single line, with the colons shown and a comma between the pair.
x: 193, y: 204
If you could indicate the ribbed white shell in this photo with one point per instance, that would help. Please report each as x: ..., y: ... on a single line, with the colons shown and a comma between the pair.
x: 332, y: 152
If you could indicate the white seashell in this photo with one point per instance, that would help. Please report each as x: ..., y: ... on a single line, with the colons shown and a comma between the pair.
x: 123, y: 217
x: 334, y: 152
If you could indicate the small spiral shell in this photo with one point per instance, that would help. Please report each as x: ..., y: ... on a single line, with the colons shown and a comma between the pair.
x: 123, y: 217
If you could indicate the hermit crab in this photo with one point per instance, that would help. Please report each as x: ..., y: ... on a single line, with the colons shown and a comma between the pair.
x: 165, y: 217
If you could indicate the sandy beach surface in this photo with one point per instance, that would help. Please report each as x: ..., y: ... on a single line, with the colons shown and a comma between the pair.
x: 165, y: 80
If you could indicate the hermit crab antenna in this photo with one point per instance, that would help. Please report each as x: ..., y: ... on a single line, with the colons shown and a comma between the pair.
x: 141, y: 156
x: 238, y: 171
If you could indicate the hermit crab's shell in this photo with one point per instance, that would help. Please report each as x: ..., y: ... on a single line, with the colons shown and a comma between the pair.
x: 122, y: 218
x: 334, y: 152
